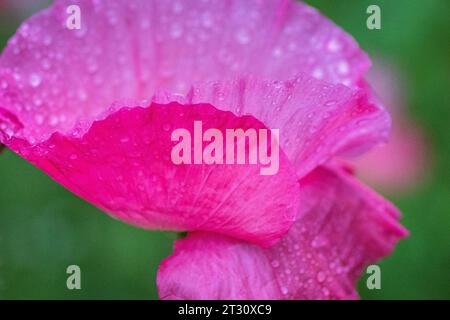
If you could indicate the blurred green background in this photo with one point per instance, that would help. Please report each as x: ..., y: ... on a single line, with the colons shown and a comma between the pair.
x: 44, y: 228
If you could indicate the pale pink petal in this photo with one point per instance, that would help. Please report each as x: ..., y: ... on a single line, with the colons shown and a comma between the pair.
x: 127, y: 49
x: 342, y: 227
x: 274, y: 39
x: 51, y: 77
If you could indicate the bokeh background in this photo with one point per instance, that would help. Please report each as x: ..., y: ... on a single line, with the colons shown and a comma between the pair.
x: 44, y: 228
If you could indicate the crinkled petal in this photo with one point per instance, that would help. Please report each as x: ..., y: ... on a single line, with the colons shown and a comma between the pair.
x: 317, y: 120
x: 209, y: 266
x: 123, y: 165
x: 342, y: 227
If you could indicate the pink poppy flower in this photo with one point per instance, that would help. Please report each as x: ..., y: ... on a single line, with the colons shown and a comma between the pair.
x: 95, y: 108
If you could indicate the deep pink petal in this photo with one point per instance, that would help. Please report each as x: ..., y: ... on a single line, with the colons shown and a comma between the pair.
x: 123, y: 165
x: 342, y: 227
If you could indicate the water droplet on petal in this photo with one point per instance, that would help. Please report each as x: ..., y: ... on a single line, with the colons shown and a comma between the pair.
x: 275, y: 263
x: 54, y: 121
x: 176, y: 31
x: 321, y: 276
x: 35, y: 80
x: 48, y: 40
x: 82, y: 95
x: 343, y: 67
x: 317, y: 73
x: 39, y: 119
x: 45, y: 64
x: 242, y: 37
x: 334, y: 45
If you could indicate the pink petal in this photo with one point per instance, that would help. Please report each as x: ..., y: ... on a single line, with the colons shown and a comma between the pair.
x: 210, y: 266
x: 126, y: 50
x: 274, y: 39
x: 318, y: 120
x: 342, y: 227
x: 123, y: 165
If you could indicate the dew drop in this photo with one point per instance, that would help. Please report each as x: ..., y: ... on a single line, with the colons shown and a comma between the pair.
x: 112, y: 19
x: 176, y: 31
x: 177, y: 7
x: 317, y: 73
x: 330, y: 103
x: 275, y: 263
x: 54, y: 121
x: 334, y: 45
x: 321, y: 276
x: 48, y: 40
x: 82, y: 95
x: 277, y: 52
x: 207, y: 20
x: 37, y: 101
x: 39, y: 118
x: 145, y: 24
x: 45, y: 64
x: 35, y: 80
x: 242, y: 37
x: 343, y: 67
x: 92, y: 66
